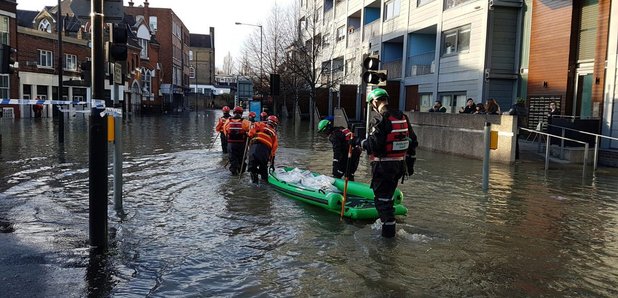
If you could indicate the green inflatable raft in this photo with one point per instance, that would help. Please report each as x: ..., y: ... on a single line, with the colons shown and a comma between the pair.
x: 359, y: 202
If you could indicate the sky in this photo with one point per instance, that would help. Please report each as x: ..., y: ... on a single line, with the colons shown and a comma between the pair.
x: 199, y: 15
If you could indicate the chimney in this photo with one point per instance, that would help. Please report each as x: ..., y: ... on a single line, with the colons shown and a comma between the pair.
x: 146, y: 3
x: 131, y: 3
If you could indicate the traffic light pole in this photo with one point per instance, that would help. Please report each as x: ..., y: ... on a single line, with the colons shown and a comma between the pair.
x: 368, y: 111
x: 60, y: 114
x: 97, y: 175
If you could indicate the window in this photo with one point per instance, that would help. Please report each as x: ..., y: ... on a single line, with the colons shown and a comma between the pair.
x: 46, y: 58
x: 326, y: 40
x: 144, y: 52
x: 391, y: 9
x: 349, y: 66
x: 341, y: 33
x: 70, y: 62
x: 192, y: 72
x: 456, y: 41
x: 422, y: 2
x: 146, y: 82
x: 453, y: 100
x: 44, y: 25
x: 4, y: 30
x: 452, y: 3
x: 426, y: 101
x: 153, y: 23
x: 4, y: 86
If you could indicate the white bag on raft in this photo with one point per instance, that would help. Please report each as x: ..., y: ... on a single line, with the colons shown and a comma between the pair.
x: 306, y: 179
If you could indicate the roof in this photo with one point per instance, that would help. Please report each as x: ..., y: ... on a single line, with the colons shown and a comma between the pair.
x: 200, y: 41
x: 26, y: 17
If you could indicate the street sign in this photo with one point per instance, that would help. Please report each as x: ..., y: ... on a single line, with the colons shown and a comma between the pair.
x: 113, y: 10
x: 118, y: 73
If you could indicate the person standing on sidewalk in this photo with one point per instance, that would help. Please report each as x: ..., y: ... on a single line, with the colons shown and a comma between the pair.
x: 391, y: 146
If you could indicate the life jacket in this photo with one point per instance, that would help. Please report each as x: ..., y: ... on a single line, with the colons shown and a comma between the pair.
x: 348, y: 134
x: 235, y: 133
x: 397, y: 141
x: 266, y: 136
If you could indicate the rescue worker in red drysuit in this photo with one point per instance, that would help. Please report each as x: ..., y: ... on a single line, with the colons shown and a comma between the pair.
x: 341, y: 138
x: 219, y: 128
x: 236, y: 129
x: 252, y: 116
x: 263, y: 116
x: 391, y: 146
x: 262, y: 148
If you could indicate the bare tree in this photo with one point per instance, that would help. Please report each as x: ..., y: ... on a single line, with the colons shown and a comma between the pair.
x: 228, y: 64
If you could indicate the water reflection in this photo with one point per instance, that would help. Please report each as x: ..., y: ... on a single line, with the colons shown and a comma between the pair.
x: 190, y: 229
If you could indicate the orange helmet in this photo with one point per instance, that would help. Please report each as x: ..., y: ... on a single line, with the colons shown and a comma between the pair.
x: 226, y: 109
x: 237, y: 110
x: 252, y: 114
x: 273, y: 120
x: 263, y: 114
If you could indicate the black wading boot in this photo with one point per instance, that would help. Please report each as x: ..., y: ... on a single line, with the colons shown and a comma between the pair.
x: 388, y: 229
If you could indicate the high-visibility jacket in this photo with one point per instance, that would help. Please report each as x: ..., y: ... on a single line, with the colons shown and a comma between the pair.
x: 236, y: 129
x: 221, y: 123
x: 265, y: 134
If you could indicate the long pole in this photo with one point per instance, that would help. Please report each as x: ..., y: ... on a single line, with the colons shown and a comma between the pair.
x: 196, y: 109
x: 261, y: 63
x: 60, y: 114
x: 487, y: 138
x: 97, y: 174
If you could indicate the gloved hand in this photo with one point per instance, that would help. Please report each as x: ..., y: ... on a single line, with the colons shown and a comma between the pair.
x: 410, y: 164
x: 272, y: 164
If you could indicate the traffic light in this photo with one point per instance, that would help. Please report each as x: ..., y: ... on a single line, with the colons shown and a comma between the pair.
x: 372, y: 75
x: 7, y: 59
x: 117, y: 47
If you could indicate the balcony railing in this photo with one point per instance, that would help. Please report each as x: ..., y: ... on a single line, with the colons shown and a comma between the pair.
x: 340, y: 9
x: 420, y: 64
x: 328, y: 16
x: 353, y: 39
x: 372, y: 30
x: 393, y: 68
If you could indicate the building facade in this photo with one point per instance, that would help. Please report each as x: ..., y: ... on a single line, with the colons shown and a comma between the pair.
x: 8, y: 36
x: 447, y: 50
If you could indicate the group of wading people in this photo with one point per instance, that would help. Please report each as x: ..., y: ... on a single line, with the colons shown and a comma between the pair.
x: 391, y: 146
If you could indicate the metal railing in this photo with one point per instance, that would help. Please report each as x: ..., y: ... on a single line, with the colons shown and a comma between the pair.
x: 596, y: 141
x: 548, y: 143
x: 393, y: 68
x: 420, y: 64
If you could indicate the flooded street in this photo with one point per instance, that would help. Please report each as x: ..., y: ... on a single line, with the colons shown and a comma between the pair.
x: 192, y: 230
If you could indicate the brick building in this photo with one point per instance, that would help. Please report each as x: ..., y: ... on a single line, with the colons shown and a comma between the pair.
x: 8, y: 36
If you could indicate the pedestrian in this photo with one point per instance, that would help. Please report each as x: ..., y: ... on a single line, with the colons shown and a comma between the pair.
x: 470, y: 107
x: 37, y: 108
x: 263, y: 116
x: 519, y: 109
x: 219, y: 128
x: 263, y: 147
x: 391, y: 146
x: 252, y: 116
x: 340, y: 138
x: 437, y: 107
x: 492, y: 107
x: 480, y: 108
x: 236, y: 129
x: 553, y: 111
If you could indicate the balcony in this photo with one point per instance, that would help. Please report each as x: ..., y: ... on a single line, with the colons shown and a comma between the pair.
x: 340, y: 9
x: 421, y: 64
x: 393, y: 68
x: 353, y: 39
x: 328, y: 16
x: 372, y: 30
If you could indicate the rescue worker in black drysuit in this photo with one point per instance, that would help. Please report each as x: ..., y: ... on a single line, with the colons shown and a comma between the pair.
x: 341, y: 137
x: 236, y: 130
x: 219, y: 128
x: 263, y: 147
x: 391, y: 146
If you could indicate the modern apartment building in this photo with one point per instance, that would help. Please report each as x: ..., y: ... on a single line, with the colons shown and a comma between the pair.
x: 447, y: 50
x: 610, y: 104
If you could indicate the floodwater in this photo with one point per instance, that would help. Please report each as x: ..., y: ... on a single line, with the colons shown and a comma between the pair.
x: 189, y: 229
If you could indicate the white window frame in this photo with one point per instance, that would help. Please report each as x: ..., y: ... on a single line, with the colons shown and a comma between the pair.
x: 420, y: 3
x: 392, y: 9
x: 5, y: 85
x: 144, y: 52
x: 4, y: 30
x: 152, y: 22
x: 45, y: 26
x: 46, y: 59
x: 70, y: 62
x: 454, y: 3
x: 457, y: 47
x: 191, y: 72
x: 341, y: 33
x: 326, y: 40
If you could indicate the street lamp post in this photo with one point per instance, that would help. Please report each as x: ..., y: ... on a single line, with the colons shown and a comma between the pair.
x: 261, y: 52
